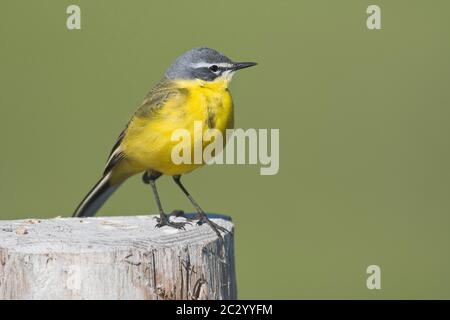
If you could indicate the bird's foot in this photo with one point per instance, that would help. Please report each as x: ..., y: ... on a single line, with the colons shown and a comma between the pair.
x: 202, y: 218
x: 164, y: 220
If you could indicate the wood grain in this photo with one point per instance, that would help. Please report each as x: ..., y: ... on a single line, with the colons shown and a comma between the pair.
x: 115, y: 258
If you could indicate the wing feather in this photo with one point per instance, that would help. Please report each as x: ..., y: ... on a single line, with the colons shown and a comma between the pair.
x: 154, y: 100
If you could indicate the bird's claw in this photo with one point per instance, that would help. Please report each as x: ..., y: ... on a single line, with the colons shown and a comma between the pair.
x: 161, y: 222
x: 216, y: 228
x: 202, y: 218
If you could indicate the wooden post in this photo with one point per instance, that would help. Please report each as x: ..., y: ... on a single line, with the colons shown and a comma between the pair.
x: 115, y: 258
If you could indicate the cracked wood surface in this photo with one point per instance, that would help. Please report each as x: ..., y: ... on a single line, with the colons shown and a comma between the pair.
x: 115, y: 258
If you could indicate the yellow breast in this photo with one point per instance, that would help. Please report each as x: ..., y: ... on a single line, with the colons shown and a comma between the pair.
x: 148, y: 145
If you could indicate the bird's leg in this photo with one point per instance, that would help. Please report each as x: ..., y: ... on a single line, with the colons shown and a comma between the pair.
x: 150, y: 177
x: 201, y: 215
x: 176, y: 213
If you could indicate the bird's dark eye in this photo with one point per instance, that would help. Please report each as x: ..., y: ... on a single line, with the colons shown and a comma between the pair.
x: 214, y: 68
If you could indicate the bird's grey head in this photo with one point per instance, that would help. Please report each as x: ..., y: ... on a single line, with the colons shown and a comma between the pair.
x: 204, y: 64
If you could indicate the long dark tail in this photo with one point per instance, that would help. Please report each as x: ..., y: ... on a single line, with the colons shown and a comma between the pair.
x: 93, y: 201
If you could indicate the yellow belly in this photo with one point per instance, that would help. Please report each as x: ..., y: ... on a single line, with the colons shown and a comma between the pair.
x: 151, y: 146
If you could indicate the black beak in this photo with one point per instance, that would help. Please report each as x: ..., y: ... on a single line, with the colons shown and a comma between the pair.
x: 242, y: 65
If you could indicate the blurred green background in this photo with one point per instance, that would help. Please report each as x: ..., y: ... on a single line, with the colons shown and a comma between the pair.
x: 363, y: 116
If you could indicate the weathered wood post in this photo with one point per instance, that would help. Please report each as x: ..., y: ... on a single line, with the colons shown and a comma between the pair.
x: 114, y: 258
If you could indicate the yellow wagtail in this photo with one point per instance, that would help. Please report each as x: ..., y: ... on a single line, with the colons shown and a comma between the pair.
x: 194, y: 88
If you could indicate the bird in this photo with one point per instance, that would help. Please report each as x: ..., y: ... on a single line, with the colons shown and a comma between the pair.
x: 194, y: 88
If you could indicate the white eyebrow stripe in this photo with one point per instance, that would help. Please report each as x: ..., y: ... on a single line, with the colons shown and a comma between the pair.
x: 207, y: 65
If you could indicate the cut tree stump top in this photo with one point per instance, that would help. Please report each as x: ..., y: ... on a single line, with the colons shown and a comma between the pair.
x: 100, y: 233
